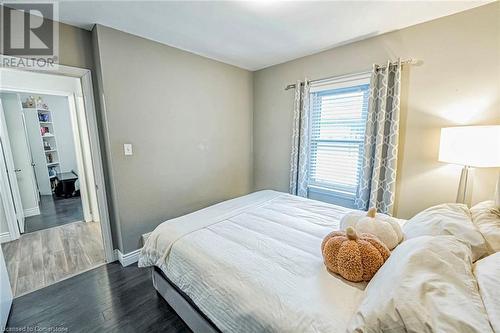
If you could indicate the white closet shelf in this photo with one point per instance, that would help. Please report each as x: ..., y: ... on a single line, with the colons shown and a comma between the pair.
x: 48, y: 136
x: 45, y: 122
x: 36, y: 109
x: 50, y: 150
x: 53, y: 163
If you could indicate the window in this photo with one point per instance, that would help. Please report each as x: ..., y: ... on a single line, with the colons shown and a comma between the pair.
x: 338, y: 113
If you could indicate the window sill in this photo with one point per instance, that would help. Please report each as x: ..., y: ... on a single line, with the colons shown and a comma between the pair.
x: 329, y: 191
x: 331, y: 196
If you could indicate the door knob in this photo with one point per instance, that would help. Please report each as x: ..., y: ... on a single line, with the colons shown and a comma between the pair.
x: 17, y: 170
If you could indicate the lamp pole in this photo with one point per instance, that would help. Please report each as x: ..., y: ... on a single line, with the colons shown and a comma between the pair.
x: 464, y: 194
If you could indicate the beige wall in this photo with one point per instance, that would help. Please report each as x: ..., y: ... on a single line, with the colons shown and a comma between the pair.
x: 75, y: 47
x: 458, y: 83
x: 189, y: 119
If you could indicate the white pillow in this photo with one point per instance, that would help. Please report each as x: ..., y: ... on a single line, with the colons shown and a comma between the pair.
x: 486, y: 217
x: 448, y: 219
x: 426, y: 285
x: 487, y: 272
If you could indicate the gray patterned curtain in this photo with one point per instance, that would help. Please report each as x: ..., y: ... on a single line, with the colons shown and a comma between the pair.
x: 300, y: 140
x: 378, y: 174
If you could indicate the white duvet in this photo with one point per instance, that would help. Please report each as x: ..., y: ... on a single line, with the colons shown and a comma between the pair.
x: 253, y: 264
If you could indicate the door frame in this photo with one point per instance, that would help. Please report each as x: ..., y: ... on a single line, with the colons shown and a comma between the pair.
x: 81, y: 165
x: 85, y: 77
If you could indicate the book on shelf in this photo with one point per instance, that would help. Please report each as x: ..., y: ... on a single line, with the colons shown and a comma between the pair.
x: 44, y: 131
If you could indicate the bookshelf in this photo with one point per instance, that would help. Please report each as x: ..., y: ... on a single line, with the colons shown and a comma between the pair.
x: 48, y: 140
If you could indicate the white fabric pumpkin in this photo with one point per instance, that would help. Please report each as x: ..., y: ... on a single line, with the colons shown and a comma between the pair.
x: 386, y: 228
x: 351, y: 219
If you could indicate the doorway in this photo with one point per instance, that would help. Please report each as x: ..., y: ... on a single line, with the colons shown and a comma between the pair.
x: 53, y: 215
x: 41, y: 135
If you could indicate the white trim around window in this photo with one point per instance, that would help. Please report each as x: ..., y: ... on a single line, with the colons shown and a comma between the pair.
x: 338, y: 113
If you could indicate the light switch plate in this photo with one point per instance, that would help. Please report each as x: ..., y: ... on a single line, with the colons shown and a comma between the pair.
x: 127, y: 149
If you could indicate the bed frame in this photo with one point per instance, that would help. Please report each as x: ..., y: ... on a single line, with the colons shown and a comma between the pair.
x: 182, y: 304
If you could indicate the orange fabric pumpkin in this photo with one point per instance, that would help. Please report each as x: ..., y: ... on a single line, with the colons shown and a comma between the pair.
x: 354, y: 257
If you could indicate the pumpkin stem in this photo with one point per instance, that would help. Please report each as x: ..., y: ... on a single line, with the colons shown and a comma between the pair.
x: 351, y: 233
x: 371, y: 212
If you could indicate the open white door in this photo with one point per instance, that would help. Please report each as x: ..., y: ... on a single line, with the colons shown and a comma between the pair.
x: 5, y: 293
x: 7, y: 212
x: 7, y: 162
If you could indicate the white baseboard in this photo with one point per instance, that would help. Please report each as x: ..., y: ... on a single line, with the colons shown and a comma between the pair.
x: 132, y: 257
x: 31, y: 211
x: 128, y: 258
x: 4, y: 237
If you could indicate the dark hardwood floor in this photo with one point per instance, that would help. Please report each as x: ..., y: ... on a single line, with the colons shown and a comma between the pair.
x: 55, y: 212
x: 110, y: 298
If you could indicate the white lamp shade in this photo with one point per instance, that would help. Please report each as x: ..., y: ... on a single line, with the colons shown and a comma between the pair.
x: 476, y: 146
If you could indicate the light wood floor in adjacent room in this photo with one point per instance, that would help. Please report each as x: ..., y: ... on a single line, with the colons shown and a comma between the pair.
x: 44, y: 257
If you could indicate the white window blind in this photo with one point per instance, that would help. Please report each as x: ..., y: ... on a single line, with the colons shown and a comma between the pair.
x: 338, y: 122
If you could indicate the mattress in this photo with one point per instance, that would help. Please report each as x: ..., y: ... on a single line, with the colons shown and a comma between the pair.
x: 254, y: 264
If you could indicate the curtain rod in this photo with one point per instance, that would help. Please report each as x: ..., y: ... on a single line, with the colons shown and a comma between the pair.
x: 403, y: 62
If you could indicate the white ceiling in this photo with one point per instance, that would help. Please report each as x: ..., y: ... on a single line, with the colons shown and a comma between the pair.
x: 256, y: 34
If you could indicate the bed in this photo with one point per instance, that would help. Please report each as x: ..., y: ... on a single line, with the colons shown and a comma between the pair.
x: 253, y: 264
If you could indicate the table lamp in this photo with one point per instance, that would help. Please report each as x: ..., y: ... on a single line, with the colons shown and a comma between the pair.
x: 470, y: 146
